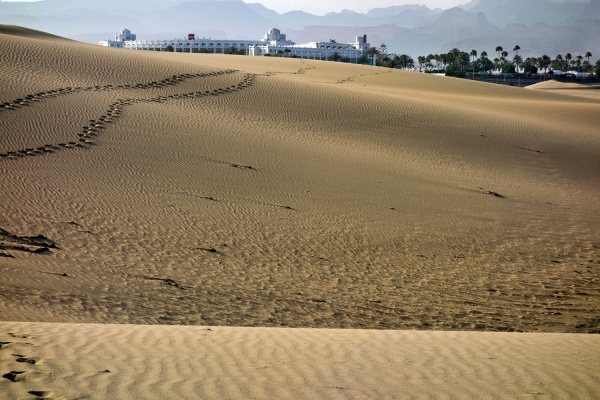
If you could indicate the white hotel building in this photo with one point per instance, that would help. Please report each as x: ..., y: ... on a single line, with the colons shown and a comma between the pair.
x: 273, y: 42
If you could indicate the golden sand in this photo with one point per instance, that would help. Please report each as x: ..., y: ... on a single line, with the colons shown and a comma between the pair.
x: 75, y: 361
x: 199, y: 189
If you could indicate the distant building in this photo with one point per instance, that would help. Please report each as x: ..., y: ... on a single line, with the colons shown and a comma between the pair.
x: 312, y: 50
x: 273, y: 42
x: 120, y: 38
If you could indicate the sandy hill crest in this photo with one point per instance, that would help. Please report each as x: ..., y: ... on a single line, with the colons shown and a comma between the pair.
x: 199, y: 189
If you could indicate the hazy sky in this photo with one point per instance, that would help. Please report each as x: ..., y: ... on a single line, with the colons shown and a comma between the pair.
x: 321, y: 7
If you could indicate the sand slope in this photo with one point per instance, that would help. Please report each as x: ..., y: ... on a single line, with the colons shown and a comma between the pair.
x: 228, y: 190
x: 590, y: 91
x: 167, y: 362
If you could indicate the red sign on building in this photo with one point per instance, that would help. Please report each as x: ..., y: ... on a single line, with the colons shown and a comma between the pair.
x: 191, y: 36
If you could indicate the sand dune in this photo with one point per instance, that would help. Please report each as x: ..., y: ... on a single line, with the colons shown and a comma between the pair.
x: 213, y: 190
x: 583, y: 89
x: 225, y: 190
x: 167, y: 362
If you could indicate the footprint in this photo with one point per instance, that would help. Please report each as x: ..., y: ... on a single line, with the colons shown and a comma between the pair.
x: 17, y: 376
x: 18, y: 335
x: 28, y: 360
x: 4, y: 345
x: 42, y: 394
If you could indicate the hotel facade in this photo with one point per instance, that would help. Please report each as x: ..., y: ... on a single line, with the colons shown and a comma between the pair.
x: 273, y: 42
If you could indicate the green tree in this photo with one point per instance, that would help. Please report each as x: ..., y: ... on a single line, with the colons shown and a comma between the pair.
x: 372, y: 53
x: 568, y: 58
x: 421, y: 60
x: 529, y: 65
x: 405, y: 61
x: 287, y: 51
x: 517, y: 48
x: 588, y: 55
x: 335, y: 56
x: 497, y: 64
x: 557, y: 63
x: 234, y: 50
x: 579, y: 58
x: 473, y: 54
x: 169, y: 49
x: 597, y: 70
x: 499, y: 50
x: 444, y: 59
x: 383, y: 50
x: 587, y: 67
x: 508, y: 68
x: 517, y: 60
x: 363, y: 60
x: 332, y: 41
x: 544, y: 62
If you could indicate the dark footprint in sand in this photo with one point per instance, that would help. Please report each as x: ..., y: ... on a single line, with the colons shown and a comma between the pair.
x: 18, y: 335
x: 42, y: 394
x: 27, y: 360
x: 4, y: 345
x: 16, y: 376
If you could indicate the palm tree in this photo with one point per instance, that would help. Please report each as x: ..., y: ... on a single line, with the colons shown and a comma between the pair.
x: 579, y: 58
x: 544, y: 62
x: 504, y: 54
x: 568, y: 58
x: 473, y: 54
x: 444, y: 59
x: 499, y: 50
x: 517, y: 48
x: 373, y: 52
x: 421, y: 60
x: 429, y: 58
x: 484, y: 54
x: 383, y: 50
x: 518, y: 60
x: 437, y: 61
x: 588, y: 55
x: 287, y: 51
x: 557, y: 64
x: 332, y: 41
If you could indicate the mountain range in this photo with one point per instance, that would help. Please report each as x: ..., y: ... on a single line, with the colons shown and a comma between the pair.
x: 537, y: 26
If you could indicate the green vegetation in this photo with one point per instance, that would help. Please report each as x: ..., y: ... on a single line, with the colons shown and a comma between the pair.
x: 460, y: 64
x: 235, y: 51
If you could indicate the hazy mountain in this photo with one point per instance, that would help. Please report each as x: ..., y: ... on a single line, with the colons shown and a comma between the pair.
x: 454, y: 23
x: 408, y: 16
x: 534, y: 40
x: 528, y: 12
x: 375, y: 34
x: 86, y: 18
